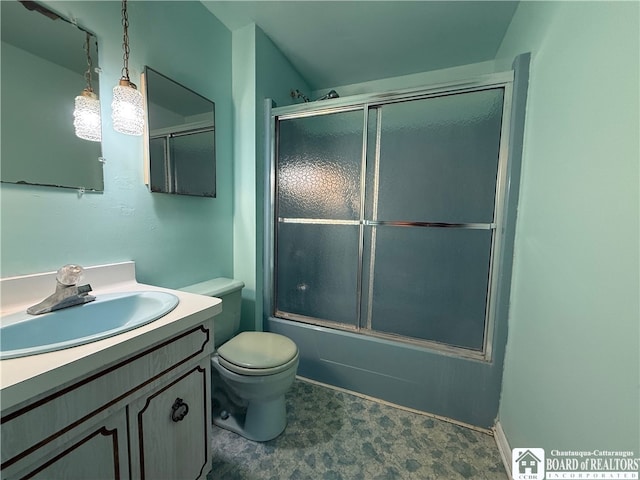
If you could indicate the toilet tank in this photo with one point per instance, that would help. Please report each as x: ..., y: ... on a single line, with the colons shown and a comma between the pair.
x: 227, y: 323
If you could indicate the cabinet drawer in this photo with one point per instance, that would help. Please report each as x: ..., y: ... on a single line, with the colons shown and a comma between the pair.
x: 43, y: 425
x: 169, y: 429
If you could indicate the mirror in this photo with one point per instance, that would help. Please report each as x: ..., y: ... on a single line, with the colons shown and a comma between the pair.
x: 181, y: 151
x: 44, y: 61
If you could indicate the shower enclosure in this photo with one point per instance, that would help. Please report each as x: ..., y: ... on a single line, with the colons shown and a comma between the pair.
x: 385, y: 214
x: 389, y: 227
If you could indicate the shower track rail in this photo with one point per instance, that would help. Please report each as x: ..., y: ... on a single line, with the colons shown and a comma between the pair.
x: 377, y: 223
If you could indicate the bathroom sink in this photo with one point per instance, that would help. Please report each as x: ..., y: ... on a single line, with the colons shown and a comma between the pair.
x: 110, y: 314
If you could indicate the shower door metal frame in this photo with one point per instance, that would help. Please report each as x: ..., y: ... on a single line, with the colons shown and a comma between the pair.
x: 365, y: 102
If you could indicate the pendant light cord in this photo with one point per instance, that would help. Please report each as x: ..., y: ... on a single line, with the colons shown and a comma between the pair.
x: 87, y: 74
x: 125, y: 41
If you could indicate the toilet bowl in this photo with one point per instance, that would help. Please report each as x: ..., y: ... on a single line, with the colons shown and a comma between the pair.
x: 250, y: 372
x: 258, y: 368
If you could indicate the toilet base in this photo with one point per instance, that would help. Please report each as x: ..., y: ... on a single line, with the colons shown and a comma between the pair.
x: 260, y: 422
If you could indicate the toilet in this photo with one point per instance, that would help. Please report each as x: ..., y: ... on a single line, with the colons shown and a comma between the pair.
x: 251, y: 371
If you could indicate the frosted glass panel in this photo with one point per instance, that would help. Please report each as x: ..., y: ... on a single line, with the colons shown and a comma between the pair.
x: 317, y: 271
x: 319, y: 166
x: 431, y: 283
x: 439, y: 158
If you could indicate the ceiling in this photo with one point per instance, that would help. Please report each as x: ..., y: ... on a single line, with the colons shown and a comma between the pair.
x: 334, y: 43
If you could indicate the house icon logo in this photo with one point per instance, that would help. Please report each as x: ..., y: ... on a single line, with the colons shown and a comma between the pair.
x: 527, y: 464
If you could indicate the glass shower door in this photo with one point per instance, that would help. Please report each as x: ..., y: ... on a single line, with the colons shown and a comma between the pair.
x: 386, y: 215
x: 318, y: 211
x: 430, y: 218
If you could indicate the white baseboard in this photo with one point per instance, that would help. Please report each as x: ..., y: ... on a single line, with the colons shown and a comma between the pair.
x: 503, y: 447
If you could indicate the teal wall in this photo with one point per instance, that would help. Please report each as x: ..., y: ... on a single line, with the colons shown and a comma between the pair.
x: 275, y: 77
x: 572, y: 367
x: 260, y: 71
x: 244, y: 101
x: 416, y: 80
x: 175, y: 240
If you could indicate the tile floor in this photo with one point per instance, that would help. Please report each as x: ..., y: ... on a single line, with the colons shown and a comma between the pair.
x: 332, y: 434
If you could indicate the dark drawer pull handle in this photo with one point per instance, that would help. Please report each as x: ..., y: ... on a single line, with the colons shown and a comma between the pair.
x: 179, y: 410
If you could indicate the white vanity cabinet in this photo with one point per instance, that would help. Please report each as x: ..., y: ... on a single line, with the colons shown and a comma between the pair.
x: 169, y: 428
x: 144, y: 416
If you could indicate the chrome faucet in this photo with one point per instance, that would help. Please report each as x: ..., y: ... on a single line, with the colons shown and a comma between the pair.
x: 67, y: 293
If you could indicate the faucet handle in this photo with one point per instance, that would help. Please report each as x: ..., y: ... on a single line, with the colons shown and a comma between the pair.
x: 70, y: 274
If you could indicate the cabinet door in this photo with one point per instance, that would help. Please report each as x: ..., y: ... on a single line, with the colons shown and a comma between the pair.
x: 100, y: 453
x: 170, y: 429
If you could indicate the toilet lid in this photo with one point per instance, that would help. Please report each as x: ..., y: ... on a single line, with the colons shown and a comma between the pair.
x: 258, y: 350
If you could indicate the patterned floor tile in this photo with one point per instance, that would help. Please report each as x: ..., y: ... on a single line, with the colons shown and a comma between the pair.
x: 333, y: 435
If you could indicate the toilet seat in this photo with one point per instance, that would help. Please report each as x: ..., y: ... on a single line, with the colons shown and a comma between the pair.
x: 258, y: 353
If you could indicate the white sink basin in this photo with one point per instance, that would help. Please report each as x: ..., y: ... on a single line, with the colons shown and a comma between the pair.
x: 110, y: 314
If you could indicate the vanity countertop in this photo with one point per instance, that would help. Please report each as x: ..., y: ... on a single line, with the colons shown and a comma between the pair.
x: 26, y: 378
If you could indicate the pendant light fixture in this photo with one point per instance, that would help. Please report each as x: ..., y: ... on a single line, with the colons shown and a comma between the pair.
x: 86, y: 115
x: 127, y: 110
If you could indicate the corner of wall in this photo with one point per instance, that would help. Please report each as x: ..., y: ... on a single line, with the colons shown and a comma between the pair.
x: 244, y: 155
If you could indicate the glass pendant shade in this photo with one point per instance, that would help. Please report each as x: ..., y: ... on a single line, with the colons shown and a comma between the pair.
x: 127, y: 110
x: 86, y: 117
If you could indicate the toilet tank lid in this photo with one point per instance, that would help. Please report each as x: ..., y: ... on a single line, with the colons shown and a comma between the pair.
x: 215, y: 287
